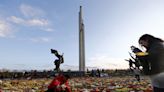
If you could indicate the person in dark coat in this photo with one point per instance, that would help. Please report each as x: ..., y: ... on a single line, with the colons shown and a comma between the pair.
x: 155, y: 48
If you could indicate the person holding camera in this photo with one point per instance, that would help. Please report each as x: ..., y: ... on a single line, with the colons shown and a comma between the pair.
x: 155, y: 48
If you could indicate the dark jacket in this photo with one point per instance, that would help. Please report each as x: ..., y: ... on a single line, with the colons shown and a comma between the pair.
x: 156, y: 57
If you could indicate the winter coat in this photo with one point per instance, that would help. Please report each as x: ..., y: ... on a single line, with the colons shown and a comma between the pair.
x: 155, y: 58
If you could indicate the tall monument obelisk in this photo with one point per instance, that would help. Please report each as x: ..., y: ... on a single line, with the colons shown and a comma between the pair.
x: 81, y: 43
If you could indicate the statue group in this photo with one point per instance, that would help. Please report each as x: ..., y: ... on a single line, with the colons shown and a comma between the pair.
x: 57, y: 61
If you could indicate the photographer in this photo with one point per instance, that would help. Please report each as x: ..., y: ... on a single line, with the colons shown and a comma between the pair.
x: 155, y: 49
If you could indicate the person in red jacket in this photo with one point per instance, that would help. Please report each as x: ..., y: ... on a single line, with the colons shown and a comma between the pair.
x: 59, y: 84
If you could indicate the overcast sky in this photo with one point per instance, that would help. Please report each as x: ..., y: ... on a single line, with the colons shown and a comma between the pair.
x: 30, y: 28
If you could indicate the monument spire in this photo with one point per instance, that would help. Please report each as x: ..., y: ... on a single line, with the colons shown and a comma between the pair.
x: 81, y: 43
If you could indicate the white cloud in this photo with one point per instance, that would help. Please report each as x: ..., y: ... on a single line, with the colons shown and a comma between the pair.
x: 101, y: 62
x: 36, y: 17
x: 106, y: 62
x: 33, y: 16
x: 42, y: 24
x: 69, y: 67
x: 76, y: 68
x: 48, y: 29
x: 41, y: 39
x: 16, y: 20
x: 37, y: 22
x: 30, y: 11
x: 29, y: 22
x: 5, y: 29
